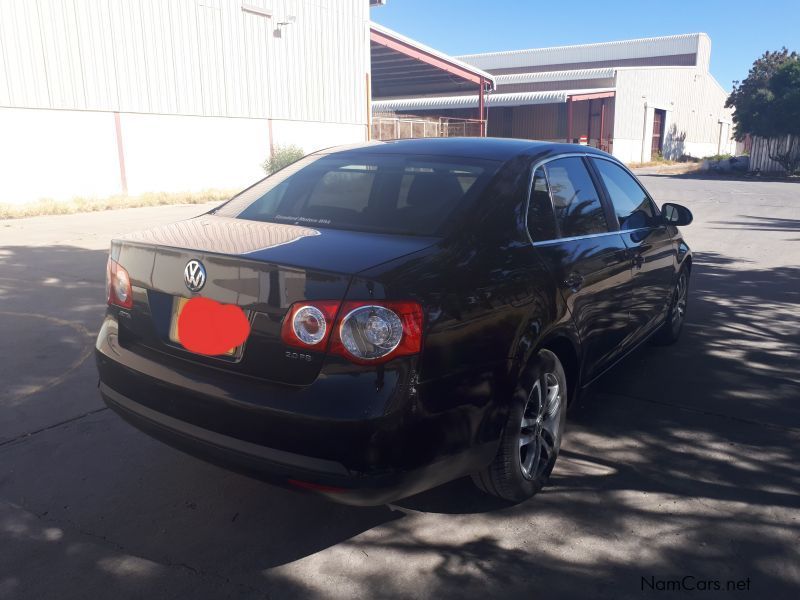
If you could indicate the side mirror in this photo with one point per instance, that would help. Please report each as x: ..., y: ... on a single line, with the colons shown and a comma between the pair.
x: 675, y: 214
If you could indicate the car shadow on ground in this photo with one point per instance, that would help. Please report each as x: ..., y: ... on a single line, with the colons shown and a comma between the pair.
x: 758, y: 223
x: 687, y: 464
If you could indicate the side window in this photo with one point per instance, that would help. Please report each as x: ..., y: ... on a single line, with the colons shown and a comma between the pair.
x: 634, y: 209
x: 541, y: 221
x: 575, y: 200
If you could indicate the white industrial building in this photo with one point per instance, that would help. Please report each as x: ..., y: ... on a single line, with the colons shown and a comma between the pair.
x: 633, y: 98
x: 101, y: 97
x: 105, y: 97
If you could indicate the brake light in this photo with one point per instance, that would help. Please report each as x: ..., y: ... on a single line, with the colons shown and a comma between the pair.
x: 364, y: 333
x: 375, y: 332
x: 118, y: 285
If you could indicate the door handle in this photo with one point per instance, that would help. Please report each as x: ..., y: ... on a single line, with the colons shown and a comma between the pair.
x: 574, y: 281
x: 638, y: 261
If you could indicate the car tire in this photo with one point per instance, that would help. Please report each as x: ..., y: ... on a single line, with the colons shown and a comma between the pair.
x: 532, y: 434
x: 670, y: 330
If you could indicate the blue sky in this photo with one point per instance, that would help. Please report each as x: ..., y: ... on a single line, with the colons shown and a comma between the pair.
x: 739, y: 31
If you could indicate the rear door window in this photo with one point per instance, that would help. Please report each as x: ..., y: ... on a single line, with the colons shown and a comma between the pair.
x: 379, y: 192
x: 541, y: 220
x: 577, y: 205
x: 633, y: 207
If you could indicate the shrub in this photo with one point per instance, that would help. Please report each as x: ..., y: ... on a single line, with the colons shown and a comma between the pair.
x: 282, y: 156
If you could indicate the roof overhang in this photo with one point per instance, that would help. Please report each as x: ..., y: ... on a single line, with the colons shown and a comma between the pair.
x: 404, y: 67
x: 492, y: 100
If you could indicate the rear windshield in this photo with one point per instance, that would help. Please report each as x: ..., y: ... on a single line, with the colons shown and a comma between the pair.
x: 380, y: 192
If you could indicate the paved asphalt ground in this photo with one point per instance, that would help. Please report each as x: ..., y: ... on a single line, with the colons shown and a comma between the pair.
x: 684, y: 462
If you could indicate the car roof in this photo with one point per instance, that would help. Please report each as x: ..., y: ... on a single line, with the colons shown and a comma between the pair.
x: 499, y: 149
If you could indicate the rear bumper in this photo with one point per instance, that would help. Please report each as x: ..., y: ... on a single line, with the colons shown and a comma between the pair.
x: 329, y: 478
x: 395, y: 448
x: 181, y: 433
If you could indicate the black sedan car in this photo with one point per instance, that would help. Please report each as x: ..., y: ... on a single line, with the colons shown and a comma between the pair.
x: 410, y: 312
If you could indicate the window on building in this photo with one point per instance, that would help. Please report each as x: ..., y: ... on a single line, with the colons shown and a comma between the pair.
x: 577, y: 206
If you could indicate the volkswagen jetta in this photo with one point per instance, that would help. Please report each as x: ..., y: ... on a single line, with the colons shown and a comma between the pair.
x: 398, y: 314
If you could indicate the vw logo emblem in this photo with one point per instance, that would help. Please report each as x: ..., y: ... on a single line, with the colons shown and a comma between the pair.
x: 194, y: 275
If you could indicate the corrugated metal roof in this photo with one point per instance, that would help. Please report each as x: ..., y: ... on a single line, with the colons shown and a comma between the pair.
x: 571, y: 75
x: 492, y: 100
x: 441, y: 55
x: 623, y: 49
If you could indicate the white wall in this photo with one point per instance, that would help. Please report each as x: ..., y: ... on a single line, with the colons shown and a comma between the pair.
x: 57, y: 154
x: 196, y: 84
x: 311, y: 136
x: 698, y: 124
x: 61, y: 154
x: 627, y: 150
x: 169, y: 153
x: 176, y: 153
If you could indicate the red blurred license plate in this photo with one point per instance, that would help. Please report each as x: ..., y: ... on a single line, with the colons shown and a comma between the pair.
x: 177, y: 306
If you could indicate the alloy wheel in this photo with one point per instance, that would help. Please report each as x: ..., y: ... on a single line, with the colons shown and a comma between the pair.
x: 681, y: 293
x: 540, y: 429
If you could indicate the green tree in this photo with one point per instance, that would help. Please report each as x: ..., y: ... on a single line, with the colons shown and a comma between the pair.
x: 767, y: 105
x: 785, y: 86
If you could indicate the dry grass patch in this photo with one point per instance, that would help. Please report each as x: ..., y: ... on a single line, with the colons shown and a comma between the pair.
x: 673, y: 166
x: 82, y: 204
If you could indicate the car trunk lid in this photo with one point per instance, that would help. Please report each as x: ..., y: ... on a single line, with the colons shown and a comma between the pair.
x: 261, y: 267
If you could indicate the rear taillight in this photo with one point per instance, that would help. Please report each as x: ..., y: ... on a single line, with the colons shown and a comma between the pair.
x: 364, y: 333
x: 309, y: 324
x: 370, y: 332
x: 118, y: 285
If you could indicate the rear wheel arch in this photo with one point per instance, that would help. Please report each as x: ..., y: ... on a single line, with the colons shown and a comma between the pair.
x: 564, y: 343
x: 567, y: 352
x: 687, y: 264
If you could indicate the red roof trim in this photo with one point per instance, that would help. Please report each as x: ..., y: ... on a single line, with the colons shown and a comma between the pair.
x: 594, y: 96
x: 421, y: 55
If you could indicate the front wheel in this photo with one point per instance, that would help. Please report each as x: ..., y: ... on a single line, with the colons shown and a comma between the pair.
x: 670, y: 331
x: 532, y: 434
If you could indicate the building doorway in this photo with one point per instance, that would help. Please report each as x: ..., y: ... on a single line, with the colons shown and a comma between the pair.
x: 659, y: 119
